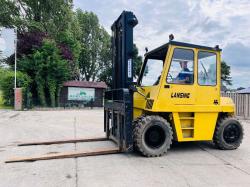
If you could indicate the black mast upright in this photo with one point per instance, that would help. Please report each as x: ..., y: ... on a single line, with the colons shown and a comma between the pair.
x: 118, y: 107
x: 122, y: 49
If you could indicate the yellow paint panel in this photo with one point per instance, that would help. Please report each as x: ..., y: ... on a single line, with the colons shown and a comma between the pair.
x: 137, y: 112
x: 204, y: 125
x: 201, y: 127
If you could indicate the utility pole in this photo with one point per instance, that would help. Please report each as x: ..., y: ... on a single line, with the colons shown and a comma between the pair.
x: 18, y: 91
x: 15, y: 42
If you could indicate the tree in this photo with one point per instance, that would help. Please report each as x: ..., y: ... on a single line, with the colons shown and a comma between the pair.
x: 7, y: 84
x: 106, y: 73
x: 95, y: 56
x: 225, y: 73
x: 39, y: 18
x: 9, y: 14
x: 95, y: 42
x: 137, y: 62
x: 44, y: 15
x: 48, y: 43
x: 57, y: 19
x: 70, y: 49
x: 47, y: 70
x: 240, y: 88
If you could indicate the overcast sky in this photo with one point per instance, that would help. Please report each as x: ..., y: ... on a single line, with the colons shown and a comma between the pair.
x: 7, y: 37
x: 204, y: 22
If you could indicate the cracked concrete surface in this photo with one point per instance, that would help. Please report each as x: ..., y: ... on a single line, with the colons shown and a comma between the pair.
x: 186, y: 164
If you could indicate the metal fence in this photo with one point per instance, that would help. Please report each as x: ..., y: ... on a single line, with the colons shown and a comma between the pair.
x: 242, y: 103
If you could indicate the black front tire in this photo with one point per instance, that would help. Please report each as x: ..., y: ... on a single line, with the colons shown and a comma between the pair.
x: 228, y: 133
x: 152, y: 136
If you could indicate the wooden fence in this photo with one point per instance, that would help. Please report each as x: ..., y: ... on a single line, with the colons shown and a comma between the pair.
x: 242, y: 103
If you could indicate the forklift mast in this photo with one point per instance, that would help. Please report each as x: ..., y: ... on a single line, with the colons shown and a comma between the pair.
x: 118, y: 106
x: 122, y: 50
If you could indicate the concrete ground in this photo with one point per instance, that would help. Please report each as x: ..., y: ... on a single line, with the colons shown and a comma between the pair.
x: 186, y: 164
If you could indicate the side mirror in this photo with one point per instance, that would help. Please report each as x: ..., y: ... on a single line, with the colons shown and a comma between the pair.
x: 134, y: 83
x: 133, y: 88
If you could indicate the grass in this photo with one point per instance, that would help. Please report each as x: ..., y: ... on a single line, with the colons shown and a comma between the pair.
x: 2, y: 106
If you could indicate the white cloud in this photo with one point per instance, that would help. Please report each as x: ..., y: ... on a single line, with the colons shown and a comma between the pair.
x: 7, y: 37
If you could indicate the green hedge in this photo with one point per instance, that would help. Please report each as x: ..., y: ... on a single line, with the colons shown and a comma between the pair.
x: 7, y: 78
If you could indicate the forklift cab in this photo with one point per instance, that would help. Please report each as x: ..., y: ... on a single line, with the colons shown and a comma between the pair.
x: 178, y: 74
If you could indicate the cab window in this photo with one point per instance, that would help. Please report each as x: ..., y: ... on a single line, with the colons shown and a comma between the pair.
x: 207, y: 68
x: 181, y: 70
x: 152, y: 72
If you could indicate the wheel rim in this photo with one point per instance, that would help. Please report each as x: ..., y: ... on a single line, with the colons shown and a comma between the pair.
x: 232, y: 133
x: 155, y: 136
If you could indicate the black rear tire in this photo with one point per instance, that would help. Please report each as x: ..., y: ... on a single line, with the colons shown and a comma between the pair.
x: 152, y: 136
x: 228, y: 133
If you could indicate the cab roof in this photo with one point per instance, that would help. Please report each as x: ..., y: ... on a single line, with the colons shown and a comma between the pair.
x: 161, y: 51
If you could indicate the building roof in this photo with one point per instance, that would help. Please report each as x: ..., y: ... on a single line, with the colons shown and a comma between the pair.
x: 85, y: 84
x: 244, y: 91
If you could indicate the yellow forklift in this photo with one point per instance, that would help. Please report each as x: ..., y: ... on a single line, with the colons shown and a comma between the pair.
x: 176, y: 98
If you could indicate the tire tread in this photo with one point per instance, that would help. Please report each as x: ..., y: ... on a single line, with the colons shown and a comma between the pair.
x: 140, y: 123
x: 217, y: 139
